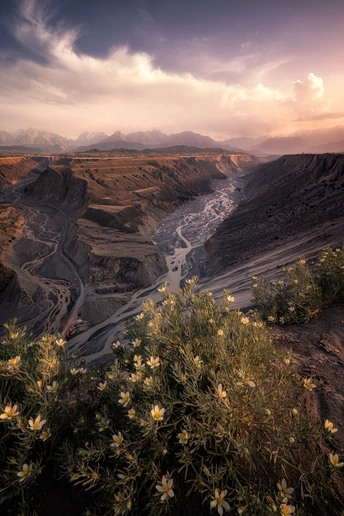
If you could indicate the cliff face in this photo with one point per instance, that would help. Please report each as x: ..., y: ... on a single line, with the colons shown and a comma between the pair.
x: 285, y: 198
x: 14, y: 170
x: 11, y: 222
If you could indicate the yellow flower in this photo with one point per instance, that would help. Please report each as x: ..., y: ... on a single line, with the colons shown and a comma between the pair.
x: 13, y: 362
x: 287, y: 361
x: 294, y: 412
x: 220, y: 502
x: 136, y: 343
x: 153, y: 362
x: 37, y: 423
x: 271, y: 318
x: 118, y: 439
x: 25, y: 472
x: 14, y: 335
x: 137, y: 359
x: 148, y: 382
x: 284, y: 490
x: 157, y: 413
x: 39, y: 384
x: 9, y: 412
x: 222, y: 394
x: 101, y: 386
x: 329, y: 427
x: 116, y: 345
x: 245, y: 320
x: 334, y: 459
x: 124, y: 399
x: 131, y: 413
x: 60, y: 342
x: 162, y: 290
x: 139, y: 366
x: 230, y: 299
x: 287, y: 509
x: 183, y: 437
x: 166, y: 488
x: 139, y: 317
x: 45, y: 434
x: 308, y: 384
x: 135, y: 377
x: 220, y: 333
x: 74, y: 371
x: 52, y: 388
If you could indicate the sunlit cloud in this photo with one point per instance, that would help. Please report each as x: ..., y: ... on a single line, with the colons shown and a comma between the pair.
x: 71, y: 92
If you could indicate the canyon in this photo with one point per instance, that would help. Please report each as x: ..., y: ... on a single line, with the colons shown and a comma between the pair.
x: 85, y: 244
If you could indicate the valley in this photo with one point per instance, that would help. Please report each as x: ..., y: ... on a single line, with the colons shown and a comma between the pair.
x: 86, y: 244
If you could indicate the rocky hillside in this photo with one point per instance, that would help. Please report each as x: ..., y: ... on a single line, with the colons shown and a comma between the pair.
x: 294, y: 198
x: 14, y: 170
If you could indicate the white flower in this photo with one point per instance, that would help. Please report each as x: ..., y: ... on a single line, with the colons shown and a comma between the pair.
x: 101, y: 386
x: 60, y: 342
x: 137, y: 359
x: 139, y: 366
x: 329, y: 427
x: 198, y: 361
x: 36, y: 424
x: 153, y: 362
x: 220, y: 502
x: 334, y: 459
x: 118, y: 439
x: 116, y: 345
x: 25, y: 472
x: 284, y: 490
x: 294, y: 412
x: 222, y: 394
x: 230, y: 299
x: 220, y: 333
x: 308, y: 384
x: 148, y: 382
x: 135, y: 377
x: 157, y: 413
x: 183, y: 437
x: 245, y: 380
x: 131, y: 413
x: 124, y: 399
x: 74, y: 371
x: 162, y: 290
x: 245, y: 320
x: 140, y: 316
x: 52, y: 388
x: 166, y: 488
x: 9, y: 412
x: 136, y: 343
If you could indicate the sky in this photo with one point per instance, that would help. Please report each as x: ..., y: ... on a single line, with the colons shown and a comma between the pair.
x: 224, y: 68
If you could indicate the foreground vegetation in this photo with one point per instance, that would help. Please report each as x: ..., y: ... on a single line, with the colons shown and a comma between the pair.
x: 304, y: 289
x: 198, y: 414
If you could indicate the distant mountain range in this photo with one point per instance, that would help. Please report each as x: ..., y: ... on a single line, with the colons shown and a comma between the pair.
x: 316, y: 141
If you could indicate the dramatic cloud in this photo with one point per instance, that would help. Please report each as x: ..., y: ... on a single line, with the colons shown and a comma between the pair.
x: 67, y: 91
x: 309, y: 95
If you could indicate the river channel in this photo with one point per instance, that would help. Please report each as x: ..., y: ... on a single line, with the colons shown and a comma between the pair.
x: 180, y: 237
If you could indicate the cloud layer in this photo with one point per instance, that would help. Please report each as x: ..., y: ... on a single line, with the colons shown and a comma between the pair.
x: 67, y: 91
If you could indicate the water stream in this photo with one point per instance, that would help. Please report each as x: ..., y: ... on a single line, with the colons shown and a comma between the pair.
x: 180, y: 237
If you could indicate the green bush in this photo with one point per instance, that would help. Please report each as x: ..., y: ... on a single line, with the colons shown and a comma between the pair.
x: 202, y: 413
x: 304, y: 289
x: 198, y: 414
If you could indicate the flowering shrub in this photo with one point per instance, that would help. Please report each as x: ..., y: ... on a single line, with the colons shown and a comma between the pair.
x: 305, y: 288
x: 39, y: 398
x: 200, y: 416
